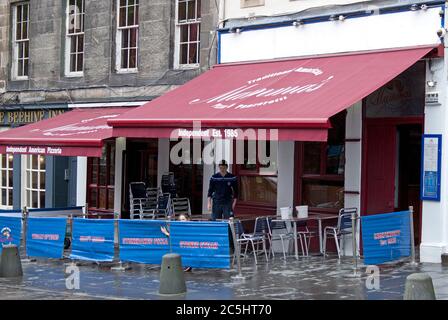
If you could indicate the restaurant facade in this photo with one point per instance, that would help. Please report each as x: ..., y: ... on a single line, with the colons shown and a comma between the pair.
x: 344, y: 97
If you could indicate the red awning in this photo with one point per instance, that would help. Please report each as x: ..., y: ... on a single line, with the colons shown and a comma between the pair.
x: 79, y: 132
x: 295, y: 96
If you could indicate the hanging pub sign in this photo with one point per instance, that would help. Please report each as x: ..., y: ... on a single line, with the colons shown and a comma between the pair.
x: 431, y: 162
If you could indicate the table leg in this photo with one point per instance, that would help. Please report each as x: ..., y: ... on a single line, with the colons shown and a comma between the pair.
x: 296, y: 249
x: 321, y: 245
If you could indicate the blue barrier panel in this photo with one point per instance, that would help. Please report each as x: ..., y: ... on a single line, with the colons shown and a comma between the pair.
x: 142, y: 241
x: 10, y: 231
x: 93, y: 240
x: 201, y: 244
x: 386, y: 237
x: 45, y: 237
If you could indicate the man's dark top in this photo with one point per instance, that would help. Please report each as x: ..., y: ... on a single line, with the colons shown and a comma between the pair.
x: 223, y: 189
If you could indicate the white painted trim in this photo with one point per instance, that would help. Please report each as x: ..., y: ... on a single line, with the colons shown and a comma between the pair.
x: 107, y: 104
x: 120, y: 146
x: 81, y: 181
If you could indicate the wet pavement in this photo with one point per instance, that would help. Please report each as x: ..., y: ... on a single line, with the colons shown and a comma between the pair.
x: 307, y: 278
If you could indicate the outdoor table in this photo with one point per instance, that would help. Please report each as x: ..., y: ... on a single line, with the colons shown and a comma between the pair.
x: 311, y: 216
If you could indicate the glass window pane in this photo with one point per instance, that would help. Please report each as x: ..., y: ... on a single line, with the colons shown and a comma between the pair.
x: 198, y: 11
x: 133, y: 58
x: 42, y: 181
x: 10, y: 160
x: 25, y: 30
x: 259, y: 189
x: 125, y: 39
x: 122, y: 18
x: 11, y: 178
x: 27, y: 47
x: 4, y: 195
x: 311, y: 157
x: 184, y: 33
x: 28, y: 198
x: 110, y: 199
x: 93, y: 198
x: 194, y: 32
x: 182, y: 11
x: 4, y: 178
x: 42, y: 199
x: 25, y: 67
x: 42, y: 162
x: 26, y: 7
x: 335, y: 159
x: 124, y: 58
x: 133, y: 37
x: 34, y: 163
x: 323, y: 194
x: 34, y: 199
x: 79, y: 62
x: 191, y: 10
x: 10, y: 201
x: 3, y: 157
x: 193, y: 53
x: 102, y: 199
x: 183, y: 53
x: 34, y: 181
x: 131, y: 12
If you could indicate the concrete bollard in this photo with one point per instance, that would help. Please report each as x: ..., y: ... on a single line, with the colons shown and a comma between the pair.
x: 445, y: 259
x: 419, y: 287
x: 172, y: 279
x: 10, y: 264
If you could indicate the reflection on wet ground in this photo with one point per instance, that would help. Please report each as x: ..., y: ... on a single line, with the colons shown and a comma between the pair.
x: 307, y: 278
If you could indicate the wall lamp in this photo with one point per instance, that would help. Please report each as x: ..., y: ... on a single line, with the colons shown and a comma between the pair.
x: 235, y: 30
x: 298, y: 23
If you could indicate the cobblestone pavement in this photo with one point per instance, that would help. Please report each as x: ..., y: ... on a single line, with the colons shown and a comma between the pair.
x: 307, y: 278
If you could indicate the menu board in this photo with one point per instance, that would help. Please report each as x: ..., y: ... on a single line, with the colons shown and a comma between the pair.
x: 431, y: 162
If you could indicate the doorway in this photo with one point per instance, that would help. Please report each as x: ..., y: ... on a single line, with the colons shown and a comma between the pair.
x: 391, y: 179
x: 188, y: 177
x: 139, y: 165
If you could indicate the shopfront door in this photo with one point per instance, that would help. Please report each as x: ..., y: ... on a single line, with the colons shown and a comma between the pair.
x: 380, y: 168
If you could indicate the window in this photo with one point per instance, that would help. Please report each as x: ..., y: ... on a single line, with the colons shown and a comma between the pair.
x: 35, y: 181
x: 127, y: 36
x: 188, y: 29
x: 101, y: 179
x: 6, y: 180
x: 251, y: 3
x: 257, y: 179
x: 21, y: 42
x: 74, y: 44
x: 321, y: 173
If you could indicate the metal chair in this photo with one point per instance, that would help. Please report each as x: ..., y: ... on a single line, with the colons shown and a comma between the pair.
x: 280, y: 226
x: 163, y: 209
x: 256, y: 238
x: 137, y: 198
x: 259, y: 236
x: 343, y: 227
x: 305, y: 235
x: 180, y: 206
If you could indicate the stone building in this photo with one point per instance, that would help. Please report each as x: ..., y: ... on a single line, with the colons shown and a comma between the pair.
x: 58, y: 55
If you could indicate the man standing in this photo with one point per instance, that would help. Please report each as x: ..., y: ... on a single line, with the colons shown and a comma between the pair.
x: 222, y: 193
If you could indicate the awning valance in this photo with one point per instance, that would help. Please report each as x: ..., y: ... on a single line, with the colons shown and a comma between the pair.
x: 296, y: 96
x: 80, y: 132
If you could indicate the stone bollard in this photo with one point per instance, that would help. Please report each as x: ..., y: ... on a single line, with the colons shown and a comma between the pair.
x: 10, y: 264
x: 445, y: 259
x: 419, y: 287
x: 172, y: 280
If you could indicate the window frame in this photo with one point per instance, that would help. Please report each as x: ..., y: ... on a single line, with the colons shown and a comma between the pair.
x: 177, y: 36
x: 301, y: 177
x: 241, y: 172
x: 15, y: 43
x: 4, y: 203
x: 28, y: 183
x: 68, y: 43
x: 118, y: 39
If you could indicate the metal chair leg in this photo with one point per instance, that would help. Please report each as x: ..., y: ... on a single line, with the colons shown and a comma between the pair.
x: 255, y: 253
x: 265, y: 251
x: 336, y: 240
x: 283, y: 247
x: 324, y: 249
